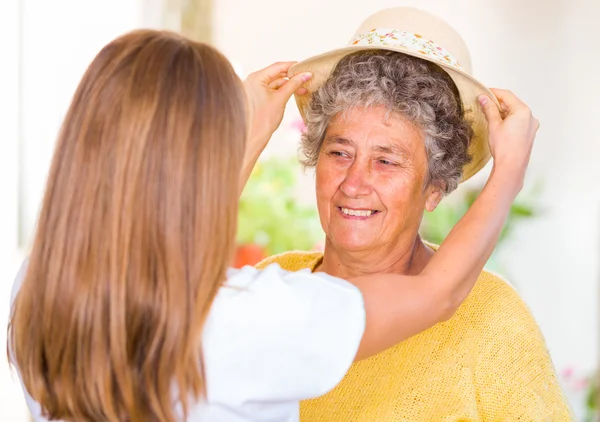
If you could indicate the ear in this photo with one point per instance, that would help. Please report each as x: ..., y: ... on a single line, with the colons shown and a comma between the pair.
x: 434, y: 196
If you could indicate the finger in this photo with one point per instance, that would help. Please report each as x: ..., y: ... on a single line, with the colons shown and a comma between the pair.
x: 301, y: 91
x: 509, y: 101
x: 294, y: 84
x: 273, y: 71
x: 278, y: 83
x: 490, y: 110
x: 281, y: 75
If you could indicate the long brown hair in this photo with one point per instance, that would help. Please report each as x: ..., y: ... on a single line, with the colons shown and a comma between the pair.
x: 135, y: 233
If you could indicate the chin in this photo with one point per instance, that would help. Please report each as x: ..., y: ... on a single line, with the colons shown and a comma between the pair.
x: 351, y: 244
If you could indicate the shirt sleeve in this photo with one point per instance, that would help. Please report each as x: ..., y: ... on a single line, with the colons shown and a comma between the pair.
x: 274, y: 335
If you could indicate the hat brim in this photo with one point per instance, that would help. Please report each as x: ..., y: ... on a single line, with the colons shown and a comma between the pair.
x: 469, y: 88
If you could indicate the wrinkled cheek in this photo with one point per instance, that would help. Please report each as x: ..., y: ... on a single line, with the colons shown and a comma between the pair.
x: 323, y: 204
x: 325, y: 191
x: 321, y: 176
x: 324, y: 218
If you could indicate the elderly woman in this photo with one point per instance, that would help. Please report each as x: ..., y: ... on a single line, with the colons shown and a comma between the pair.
x: 388, y: 136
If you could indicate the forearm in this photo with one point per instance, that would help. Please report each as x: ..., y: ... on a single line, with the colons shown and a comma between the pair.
x: 461, y: 257
x: 400, y: 306
x: 253, y: 151
x: 458, y: 262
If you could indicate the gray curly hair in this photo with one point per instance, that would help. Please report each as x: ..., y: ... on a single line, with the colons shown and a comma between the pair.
x: 416, y: 89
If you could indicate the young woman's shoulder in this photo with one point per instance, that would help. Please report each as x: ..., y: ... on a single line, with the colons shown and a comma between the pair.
x: 277, y: 336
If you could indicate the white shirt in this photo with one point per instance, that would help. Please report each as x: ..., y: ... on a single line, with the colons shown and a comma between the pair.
x: 272, y: 338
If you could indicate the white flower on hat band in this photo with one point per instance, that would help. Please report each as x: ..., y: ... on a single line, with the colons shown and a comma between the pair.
x: 394, y: 38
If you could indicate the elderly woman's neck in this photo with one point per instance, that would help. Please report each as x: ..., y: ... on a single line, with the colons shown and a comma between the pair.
x: 401, y: 258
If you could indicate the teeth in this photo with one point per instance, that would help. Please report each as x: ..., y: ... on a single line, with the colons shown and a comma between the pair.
x: 358, y: 213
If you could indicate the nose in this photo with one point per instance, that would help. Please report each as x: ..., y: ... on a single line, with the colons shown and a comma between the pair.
x: 357, y: 182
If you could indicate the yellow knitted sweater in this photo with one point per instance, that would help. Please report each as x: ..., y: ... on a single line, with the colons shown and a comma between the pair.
x: 488, y: 363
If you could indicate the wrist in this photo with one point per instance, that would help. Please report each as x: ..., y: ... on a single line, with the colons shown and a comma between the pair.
x: 507, y: 179
x: 254, y: 148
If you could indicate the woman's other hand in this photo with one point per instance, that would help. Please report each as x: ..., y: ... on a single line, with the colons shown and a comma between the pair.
x: 511, y: 134
x: 268, y: 91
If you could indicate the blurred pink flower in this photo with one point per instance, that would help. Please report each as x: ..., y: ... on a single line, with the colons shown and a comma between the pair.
x: 581, y: 384
x: 298, y: 125
x: 568, y: 373
x: 574, y: 379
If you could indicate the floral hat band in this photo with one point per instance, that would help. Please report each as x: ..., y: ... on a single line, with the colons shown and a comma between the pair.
x: 384, y: 37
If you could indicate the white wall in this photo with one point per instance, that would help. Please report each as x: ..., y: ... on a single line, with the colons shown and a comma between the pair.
x: 10, y: 398
x: 60, y: 38
x: 46, y: 46
x: 546, y: 51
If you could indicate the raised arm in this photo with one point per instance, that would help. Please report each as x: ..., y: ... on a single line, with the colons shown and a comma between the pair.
x: 400, y: 306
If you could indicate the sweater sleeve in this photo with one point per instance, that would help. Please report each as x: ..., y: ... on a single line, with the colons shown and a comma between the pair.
x: 515, y: 374
x: 292, y: 261
x: 284, y: 260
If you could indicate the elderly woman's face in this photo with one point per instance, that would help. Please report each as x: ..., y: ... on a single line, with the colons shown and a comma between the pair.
x: 370, y: 179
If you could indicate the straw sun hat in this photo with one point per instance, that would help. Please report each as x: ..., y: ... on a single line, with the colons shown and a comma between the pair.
x: 419, y: 34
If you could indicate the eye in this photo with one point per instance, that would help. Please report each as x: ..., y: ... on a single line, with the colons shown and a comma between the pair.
x: 386, y: 162
x: 338, y: 153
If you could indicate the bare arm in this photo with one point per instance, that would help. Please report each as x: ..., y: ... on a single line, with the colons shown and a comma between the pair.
x: 400, y: 306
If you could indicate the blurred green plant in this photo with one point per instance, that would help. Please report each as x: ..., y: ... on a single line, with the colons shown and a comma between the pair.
x: 270, y: 214
x: 592, y: 400
x: 437, y: 224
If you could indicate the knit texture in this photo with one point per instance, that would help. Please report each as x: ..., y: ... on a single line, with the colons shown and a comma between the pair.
x: 488, y: 363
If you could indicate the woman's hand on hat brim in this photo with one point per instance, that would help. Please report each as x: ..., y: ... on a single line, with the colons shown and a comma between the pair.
x: 267, y: 91
x: 511, y: 133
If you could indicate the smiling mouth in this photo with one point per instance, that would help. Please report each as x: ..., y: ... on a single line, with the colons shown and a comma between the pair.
x: 357, y: 213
